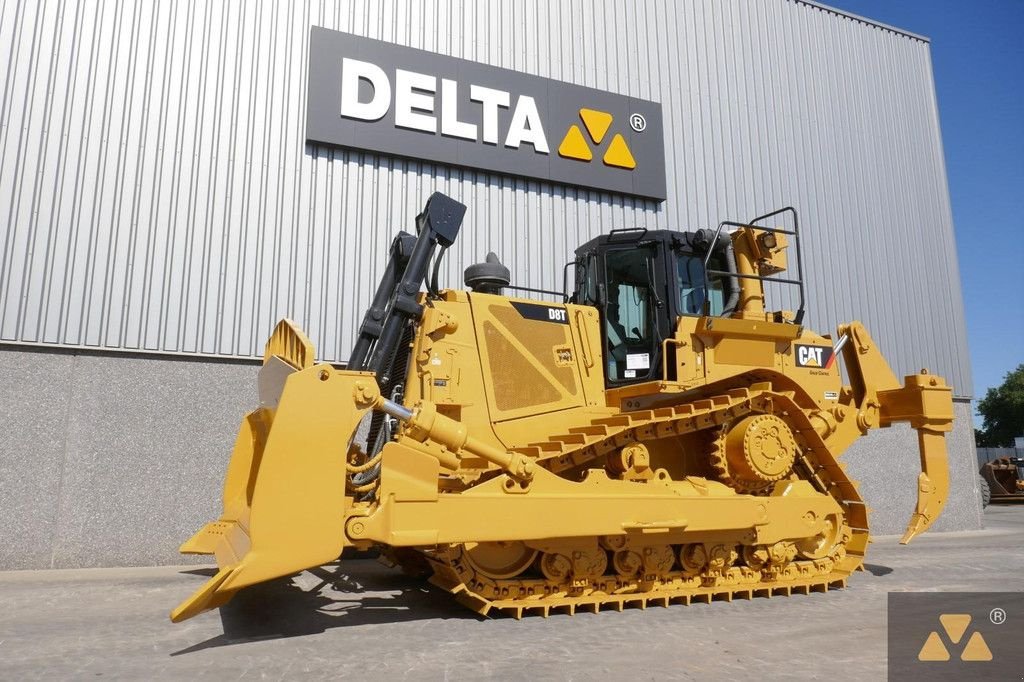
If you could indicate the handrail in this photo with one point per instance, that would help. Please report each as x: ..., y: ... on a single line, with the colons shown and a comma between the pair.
x: 548, y: 292
x: 623, y: 231
x: 795, y: 232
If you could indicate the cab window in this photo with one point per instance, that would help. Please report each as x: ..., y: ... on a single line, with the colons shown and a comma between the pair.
x: 629, y: 314
x: 690, y: 276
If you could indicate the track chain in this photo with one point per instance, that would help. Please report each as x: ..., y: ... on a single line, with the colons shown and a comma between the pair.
x: 518, y: 597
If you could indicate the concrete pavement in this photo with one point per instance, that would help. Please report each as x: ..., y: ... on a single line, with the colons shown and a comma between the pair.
x: 373, y: 623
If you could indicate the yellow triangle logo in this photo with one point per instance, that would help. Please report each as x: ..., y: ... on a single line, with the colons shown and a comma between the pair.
x: 933, y: 649
x: 574, y: 146
x: 955, y: 625
x: 597, y: 123
x: 618, y: 154
x: 976, y: 649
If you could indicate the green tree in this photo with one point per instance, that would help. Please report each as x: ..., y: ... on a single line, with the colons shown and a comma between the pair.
x: 1002, y: 409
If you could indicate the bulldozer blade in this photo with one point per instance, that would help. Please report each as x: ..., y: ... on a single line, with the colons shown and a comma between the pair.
x: 284, y: 494
x: 205, y: 541
x: 238, y: 483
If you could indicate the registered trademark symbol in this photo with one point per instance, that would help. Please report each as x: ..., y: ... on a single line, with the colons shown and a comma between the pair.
x: 637, y: 122
x: 997, y: 616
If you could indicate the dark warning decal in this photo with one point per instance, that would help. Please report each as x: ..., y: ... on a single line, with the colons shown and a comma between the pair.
x: 820, y: 357
x: 542, y: 313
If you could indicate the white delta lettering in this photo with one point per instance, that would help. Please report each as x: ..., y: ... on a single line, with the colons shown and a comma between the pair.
x: 809, y: 355
x: 415, y: 108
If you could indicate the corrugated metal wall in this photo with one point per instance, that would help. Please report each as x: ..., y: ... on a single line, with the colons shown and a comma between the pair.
x: 156, y: 192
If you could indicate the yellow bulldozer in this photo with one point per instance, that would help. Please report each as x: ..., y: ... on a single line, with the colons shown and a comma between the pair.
x: 655, y: 437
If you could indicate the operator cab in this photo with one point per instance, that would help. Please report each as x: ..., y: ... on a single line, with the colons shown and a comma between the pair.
x: 641, y: 281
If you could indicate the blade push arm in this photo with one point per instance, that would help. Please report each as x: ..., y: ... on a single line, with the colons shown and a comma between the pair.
x: 424, y: 423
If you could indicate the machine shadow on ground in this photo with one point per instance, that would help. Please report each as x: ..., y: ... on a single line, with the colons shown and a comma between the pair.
x: 351, y: 593
x: 344, y: 596
x: 876, y: 570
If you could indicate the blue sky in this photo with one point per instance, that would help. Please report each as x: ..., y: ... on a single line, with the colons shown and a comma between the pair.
x: 978, y: 61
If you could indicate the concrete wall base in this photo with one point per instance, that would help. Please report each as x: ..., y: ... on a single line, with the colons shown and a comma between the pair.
x: 112, y: 460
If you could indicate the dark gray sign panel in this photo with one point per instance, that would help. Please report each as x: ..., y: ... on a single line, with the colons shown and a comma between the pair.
x: 375, y: 96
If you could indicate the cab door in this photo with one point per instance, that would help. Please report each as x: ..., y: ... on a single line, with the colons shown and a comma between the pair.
x: 634, y: 313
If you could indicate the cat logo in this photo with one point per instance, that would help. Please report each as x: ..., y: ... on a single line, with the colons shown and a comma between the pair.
x: 955, y: 625
x: 597, y: 123
x: 820, y: 357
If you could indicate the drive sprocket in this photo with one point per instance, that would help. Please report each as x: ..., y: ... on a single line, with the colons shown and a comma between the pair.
x: 752, y: 453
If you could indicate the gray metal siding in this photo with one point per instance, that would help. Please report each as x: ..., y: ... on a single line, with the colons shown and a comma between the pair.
x: 156, y: 192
